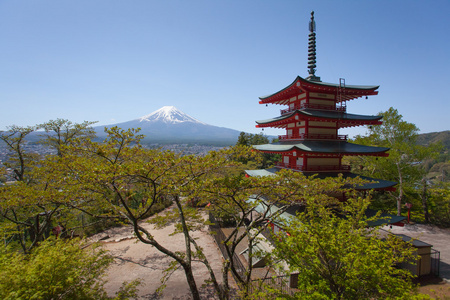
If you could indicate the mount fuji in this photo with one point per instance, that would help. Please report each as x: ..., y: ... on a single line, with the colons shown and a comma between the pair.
x: 168, y: 125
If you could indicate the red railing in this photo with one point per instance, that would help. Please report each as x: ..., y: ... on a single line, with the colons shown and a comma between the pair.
x: 314, y: 106
x: 313, y: 136
x: 324, y: 168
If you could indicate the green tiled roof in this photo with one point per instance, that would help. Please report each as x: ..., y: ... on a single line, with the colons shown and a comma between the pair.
x: 373, y: 184
x: 291, y: 212
x: 383, y: 219
x: 323, y: 114
x: 320, y: 147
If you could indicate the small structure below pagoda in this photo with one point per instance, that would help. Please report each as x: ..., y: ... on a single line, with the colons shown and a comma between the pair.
x: 315, y: 112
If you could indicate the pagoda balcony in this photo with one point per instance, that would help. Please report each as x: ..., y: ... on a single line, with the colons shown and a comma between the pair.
x: 312, y: 136
x: 339, y: 108
x: 324, y: 168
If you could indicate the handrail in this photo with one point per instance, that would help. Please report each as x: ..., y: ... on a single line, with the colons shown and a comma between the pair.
x: 313, y: 136
x: 322, y: 168
x: 340, y: 108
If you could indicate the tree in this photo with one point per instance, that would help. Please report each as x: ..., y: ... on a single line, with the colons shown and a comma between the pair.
x: 229, y: 204
x: 30, y: 205
x: 19, y: 159
x: 336, y: 255
x: 249, y: 139
x: 439, y: 203
x: 248, y: 205
x: 57, y: 269
x: 404, y: 155
x: 25, y: 213
x: 62, y: 132
x: 119, y: 179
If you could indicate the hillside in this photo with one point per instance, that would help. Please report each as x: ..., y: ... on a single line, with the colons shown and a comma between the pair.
x: 434, y: 137
x: 438, y: 168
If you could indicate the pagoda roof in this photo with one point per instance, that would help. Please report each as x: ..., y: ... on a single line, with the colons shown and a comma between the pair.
x: 373, y: 183
x: 325, y: 147
x: 345, y: 119
x: 300, y: 85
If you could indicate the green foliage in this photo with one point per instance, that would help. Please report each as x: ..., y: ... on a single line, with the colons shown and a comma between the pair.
x: 438, y: 169
x: 402, y: 164
x: 249, y: 204
x: 443, y: 137
x: 120, y: 180
x: 19, y: 160
x: 439, y: 202
x: 37, y: 201
x: 338, y: 257
x: 115, y: 181
x: 30, y: 209
x: 249, y: 139
x: 266, y: 160
x: 57, y: 269
x: 62, y: 132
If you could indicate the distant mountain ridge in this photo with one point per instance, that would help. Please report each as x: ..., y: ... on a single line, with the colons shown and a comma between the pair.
x: 434, y: 137
x: 168, y: 125
x: 438, y: 168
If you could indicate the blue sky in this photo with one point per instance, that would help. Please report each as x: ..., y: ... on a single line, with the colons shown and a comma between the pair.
x: 113, y: 61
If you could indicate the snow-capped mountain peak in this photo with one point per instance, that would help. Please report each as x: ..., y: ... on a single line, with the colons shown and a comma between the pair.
x: 169, y: 114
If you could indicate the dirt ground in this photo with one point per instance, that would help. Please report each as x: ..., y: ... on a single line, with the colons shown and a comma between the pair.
x: 137, y: 260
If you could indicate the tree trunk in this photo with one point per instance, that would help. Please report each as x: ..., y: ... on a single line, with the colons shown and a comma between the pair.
x: 399, y: 202
x: 185, y: 265
x: 400, y: 193
x: 226, y: 286
x: 191, y: 281
x: 425, y: 201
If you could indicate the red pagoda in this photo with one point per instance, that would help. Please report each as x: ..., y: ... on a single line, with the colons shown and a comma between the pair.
x: 315, y: 112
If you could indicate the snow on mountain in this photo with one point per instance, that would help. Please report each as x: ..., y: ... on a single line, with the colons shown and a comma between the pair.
x: 169, y: 114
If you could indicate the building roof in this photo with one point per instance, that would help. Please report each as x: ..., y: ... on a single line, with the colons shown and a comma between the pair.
x: 416, y: 243
x: 262, y: 172
x: 321, y: 147
x: 372, y: 184
x: 344, y: 119
x: 299, y: 85
x: 375, y: 184
x: 382, y: 219
x: 291, y: 212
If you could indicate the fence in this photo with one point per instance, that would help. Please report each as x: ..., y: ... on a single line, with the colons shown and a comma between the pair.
x: 435, y: 262
x: 220, y: 238
x: 431, y: 268
x: 281, y: 283
x: 426, y: 264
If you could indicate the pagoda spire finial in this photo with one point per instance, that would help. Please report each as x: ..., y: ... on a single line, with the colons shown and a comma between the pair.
x: 312, y: 50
